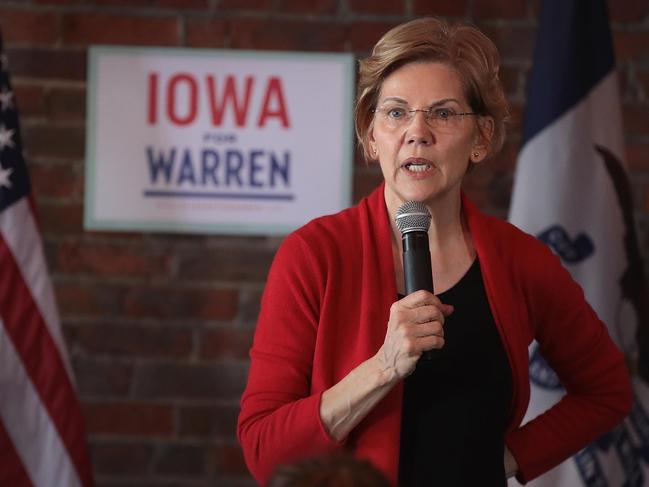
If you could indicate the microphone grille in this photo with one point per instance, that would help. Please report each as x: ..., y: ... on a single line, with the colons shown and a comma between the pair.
x: 413, y: 216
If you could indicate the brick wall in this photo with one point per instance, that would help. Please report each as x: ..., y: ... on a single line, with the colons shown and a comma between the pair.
x: 158, y: 326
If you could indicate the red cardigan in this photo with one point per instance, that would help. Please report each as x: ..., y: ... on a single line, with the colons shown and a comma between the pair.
x: 325, y: 309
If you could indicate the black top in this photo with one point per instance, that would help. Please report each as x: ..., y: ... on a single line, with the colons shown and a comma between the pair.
x: 457, y: 403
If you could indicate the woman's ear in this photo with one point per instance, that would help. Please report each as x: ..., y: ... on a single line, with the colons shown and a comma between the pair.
x: 371, y: 143
x: 482, y: 142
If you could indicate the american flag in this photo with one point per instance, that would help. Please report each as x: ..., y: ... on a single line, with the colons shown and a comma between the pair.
x: 42, y: 438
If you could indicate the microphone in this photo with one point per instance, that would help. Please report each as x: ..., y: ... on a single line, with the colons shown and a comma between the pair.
x: 413, y: 221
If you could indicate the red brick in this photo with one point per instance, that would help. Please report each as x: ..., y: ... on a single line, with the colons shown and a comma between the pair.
x: 628, y: 10
x: 205, y: 32
x: 364, y: 35
x: 121, y: 457
x: 645, y: 205
x: 92, y: 28
x: 501, y: 9
x: 534, y: 9
x: 643, y: 82
x: 66, y: 104
x: 365, y: 182
x: 58, y: 2
x: 183, y: 381
x: 229, y: 460
x: 476, y: 185
x: 95, y: 377
x: 510, y: 77
x: 57, y: 181
x: 28, y: 27
x: 103, y: 259
x: 636, y: 119
x: 374, y: 7
x: 311, y: 7
x: 171, y: 302
x: 208, y: 421
x: 47, y: 63
x: 60, y: 219
x: 631, y: 45
x: 249, y: 307
x: 454, y: 8
x: 287, y: 35
x: 231, y: 264
x: 49, y: 140
x: 225, y: 343
x: 76, y: 298
x: 638, y: 156
x: 514, y: 42
x: 180, y: 460
x: 132, y: 340
x: 170, y: 4
x: 505, y: 160
x: 246, y: 4
x: 516, y: 118
x: 30, y: 100
x: 128, y: 419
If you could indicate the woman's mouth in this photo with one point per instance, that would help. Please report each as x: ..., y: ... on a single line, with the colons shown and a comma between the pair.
x: 417, y: 165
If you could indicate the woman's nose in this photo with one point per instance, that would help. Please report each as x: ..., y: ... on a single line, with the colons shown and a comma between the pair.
x: 418, y: 131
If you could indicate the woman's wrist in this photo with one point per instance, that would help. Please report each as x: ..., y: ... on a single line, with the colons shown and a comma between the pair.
x: 511, y: 466
x: 385, y: 373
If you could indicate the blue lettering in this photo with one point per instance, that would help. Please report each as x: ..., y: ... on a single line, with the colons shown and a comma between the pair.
x: 186, y: 170
x: 160, y: 164
x: 209, y: 164
x: 233, y: 165
x: 589, y: 468
x: 280, y: 168
x: 626, y: 454
x: 255, y: 168
x: 207, y: 167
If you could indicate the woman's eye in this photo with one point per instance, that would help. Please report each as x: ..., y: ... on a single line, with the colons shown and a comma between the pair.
x: 396, y: 112
x: 443, y: 113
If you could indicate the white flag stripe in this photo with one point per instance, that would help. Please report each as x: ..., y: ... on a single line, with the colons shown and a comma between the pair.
x: 561, y: 178
x: 24, y: 417
x: 18, y: 229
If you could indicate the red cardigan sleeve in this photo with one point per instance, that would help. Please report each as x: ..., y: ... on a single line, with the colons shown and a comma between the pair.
x: 576, y: 344
x: 280, y: 415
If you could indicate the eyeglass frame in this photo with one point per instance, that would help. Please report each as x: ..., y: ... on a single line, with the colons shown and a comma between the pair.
x: 426, y: 112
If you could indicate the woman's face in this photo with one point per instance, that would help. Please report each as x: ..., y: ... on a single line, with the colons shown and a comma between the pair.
x: 424, y: 159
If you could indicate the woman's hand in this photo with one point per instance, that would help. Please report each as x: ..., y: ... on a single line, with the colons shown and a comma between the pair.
x: 416, y: 325
x: 511, y: 467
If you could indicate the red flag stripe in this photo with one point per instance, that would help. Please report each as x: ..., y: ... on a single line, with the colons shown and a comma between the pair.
x: 41, y: 359
x: 28, y: 424
x: 19, y: 229
x: 12, y: 471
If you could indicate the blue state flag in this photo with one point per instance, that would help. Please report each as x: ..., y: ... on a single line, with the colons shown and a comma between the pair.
x: 572, y: 191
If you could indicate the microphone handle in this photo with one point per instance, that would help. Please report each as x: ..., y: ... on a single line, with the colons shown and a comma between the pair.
x: 417, y: 271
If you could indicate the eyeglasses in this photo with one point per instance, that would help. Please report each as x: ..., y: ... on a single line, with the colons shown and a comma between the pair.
x: 397, y: 116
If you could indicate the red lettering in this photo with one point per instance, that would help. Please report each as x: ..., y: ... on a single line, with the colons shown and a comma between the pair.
x: 274, y: 90
x: 153, y: 98
x: 192, y: 99
x: 229, y: 96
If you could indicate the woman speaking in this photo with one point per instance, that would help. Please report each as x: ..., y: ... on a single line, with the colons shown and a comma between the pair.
x: 341, y: 358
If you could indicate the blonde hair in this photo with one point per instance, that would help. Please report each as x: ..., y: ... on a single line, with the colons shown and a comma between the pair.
x: 463, y: 47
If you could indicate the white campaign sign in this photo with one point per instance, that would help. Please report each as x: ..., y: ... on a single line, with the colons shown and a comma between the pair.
x: 232, y: 142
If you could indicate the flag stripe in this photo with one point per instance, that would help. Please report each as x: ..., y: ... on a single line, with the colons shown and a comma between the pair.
x: 28, y: 423
x: 572, y: 54
x: 12, y: 472
x: 42, y: 362
x: 19, y: 230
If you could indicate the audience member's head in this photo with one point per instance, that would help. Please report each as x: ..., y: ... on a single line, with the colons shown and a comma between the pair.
x: 339, y: 470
